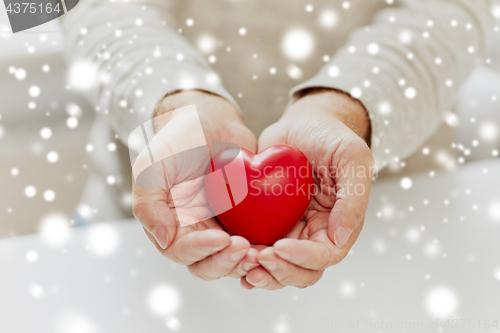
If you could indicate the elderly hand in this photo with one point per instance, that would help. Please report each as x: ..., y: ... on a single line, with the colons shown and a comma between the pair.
x: 205, y: 248
x: 330, y: 128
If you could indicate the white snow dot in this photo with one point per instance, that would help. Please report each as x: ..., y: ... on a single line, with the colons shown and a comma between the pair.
x: 405, y: 36
x: 89, y: 148
x: 356, y: 92
x: 30, y: 191
x: 72, y: 122
x: 102, y: 240
x: 406, y: 183
x: 20, y: 74
x: 294, y: 72
x: 83, y: 31
x: 309, y: 8
x: 242, y: 31
x: 346, y: 5
x: 179, y: 57
x: 46, y: 133
x: 373, y: 48
x: 189, y: 22
x: 410, y: 93
x: 495, y: 10
x: 488, y: 131
x: 334, y: 71
x: 494, y: 211
x: 74, y: 110
x: 471, y: 49
x: 347, y: 289
x: 52, y: 157
x: 212, y: 59
x: 432, y: 249
x: 14, y: 171
x: 111, y: 146
x: 31, y: 256
x: 34, y: 91
x: 36, y: 291
x: 206, y: 43
x: 138, y: 22
x: 273, y: 70
x: 413, y: 235
x: 45, y: 68
x: 441, y: 302
x: 380, y: 246
x: 173, y: 323
x: 496, y: 273
x: 298, y: 44
x: 49, y: 195
x: 118, y: 33
x: 111, y: 180
x: 55, y: 230
x: 164, y: 300
x: 328, y: 19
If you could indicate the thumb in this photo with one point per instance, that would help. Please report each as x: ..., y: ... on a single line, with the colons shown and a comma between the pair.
x: 352, y: 187
x: 151, y: 209
x: 273, y: 135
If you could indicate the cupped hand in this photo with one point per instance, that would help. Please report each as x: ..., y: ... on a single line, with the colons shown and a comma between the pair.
x: 331, y: 129
x: 205, y: 248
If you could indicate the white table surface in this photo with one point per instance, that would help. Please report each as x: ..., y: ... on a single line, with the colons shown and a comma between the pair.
x: 454, y: 272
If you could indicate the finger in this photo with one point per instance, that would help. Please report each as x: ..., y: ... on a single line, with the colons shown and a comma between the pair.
x: 197, y: 245
x: 244, y: 283
x: 352, y: 194
x: 222, y: 262
x: 151, y: 209
x: 261, y: 278
x: 286, y: 273
x: 248, y: 263
x: 315, y: 255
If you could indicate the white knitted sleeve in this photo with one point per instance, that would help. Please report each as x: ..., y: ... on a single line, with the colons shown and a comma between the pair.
x: 407, y: 67
x: 135, y: 57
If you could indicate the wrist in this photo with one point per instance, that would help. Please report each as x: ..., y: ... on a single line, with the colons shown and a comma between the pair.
x: 331, y: 102
x: 207, y: 104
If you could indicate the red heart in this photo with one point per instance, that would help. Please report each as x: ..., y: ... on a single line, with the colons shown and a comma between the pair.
x: 280, y: 187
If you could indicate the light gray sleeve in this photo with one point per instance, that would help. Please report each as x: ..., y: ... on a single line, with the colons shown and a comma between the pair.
x: 406, y: 68
x: 134, y: 57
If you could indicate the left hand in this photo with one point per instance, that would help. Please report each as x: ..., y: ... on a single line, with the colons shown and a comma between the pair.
x: 331, y: 129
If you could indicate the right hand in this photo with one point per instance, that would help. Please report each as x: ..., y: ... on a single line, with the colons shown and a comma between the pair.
x: 205, y: 248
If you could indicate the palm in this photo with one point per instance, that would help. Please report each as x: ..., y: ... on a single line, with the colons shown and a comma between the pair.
x: 333, y: 150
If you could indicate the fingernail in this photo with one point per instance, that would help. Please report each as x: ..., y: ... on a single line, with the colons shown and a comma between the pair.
x: 261, y: 284
x: 238, y: 255
x: 247, y: 267
x: 269, y: 265
x: 161, y: 236
x: 342, y: 236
